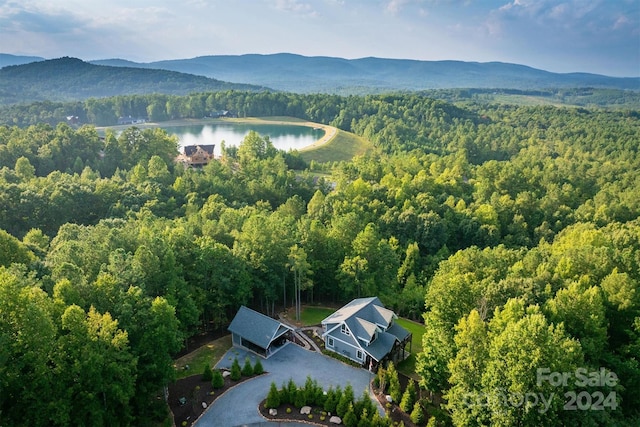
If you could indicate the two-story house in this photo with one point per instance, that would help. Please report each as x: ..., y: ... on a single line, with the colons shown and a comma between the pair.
x: 365, y: 332
x: 196, y: 155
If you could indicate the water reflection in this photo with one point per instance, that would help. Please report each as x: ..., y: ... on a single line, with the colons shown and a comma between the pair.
x: 283, y: 137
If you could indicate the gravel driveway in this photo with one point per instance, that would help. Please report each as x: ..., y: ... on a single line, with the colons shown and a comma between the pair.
x: 239, y: 406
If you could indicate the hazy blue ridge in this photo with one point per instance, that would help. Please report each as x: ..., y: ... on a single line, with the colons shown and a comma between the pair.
x: 50, y: 79
x: 66, y: 79
x: 304, y: 74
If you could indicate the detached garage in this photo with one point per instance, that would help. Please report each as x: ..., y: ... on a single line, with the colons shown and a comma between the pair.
x: 258, y: 333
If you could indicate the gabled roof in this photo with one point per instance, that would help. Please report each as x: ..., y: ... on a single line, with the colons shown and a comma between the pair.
x: 190, y: 150
x: 381, y: 346
x: 369, y: 309
x: 364, y: 329
x: 367, y: 318
x: 256, y: 327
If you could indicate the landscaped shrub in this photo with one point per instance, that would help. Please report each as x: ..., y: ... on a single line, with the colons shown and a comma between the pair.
x: 330, y: 401
x: 381, y: 379
x: 247, y: 369
x: 217, y: 380
x: 207, y: 375
x: 364, y: 404
x: 301, y: 399
x: 257, y: 368
x: 292, y: 389
x: 409, y: 397
x: 394, y: 383
x: 236, y: 372
x: 417, y: 415
x: 273, y: 398
x: 313, y: 392
x: 284, y: 394
x: 349, y: 418
x: 364, y: 418
x: 345, y: 401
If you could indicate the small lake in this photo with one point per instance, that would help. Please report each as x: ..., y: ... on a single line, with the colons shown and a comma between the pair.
x: 283, y: 137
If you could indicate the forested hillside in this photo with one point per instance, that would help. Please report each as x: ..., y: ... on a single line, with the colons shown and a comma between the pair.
x: 66, y: 79
x: 512, y: 231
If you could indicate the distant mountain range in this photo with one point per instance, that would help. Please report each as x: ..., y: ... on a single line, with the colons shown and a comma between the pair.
x: 326, y: 74
x: 289, y: 72
x: 67, y: 79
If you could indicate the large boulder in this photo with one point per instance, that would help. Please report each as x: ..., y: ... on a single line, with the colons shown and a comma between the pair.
x: 273, y: 412
x: 335, y: 420
x: 305, y: 410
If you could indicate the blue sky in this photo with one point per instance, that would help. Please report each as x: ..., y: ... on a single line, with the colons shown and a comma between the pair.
x: 598, y: 36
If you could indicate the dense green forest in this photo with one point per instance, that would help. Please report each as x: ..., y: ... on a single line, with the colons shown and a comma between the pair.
x: 513, y: 232
x: 315, y: 107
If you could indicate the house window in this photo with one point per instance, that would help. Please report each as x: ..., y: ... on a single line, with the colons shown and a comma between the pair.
x: 359, y: 354
x: 330, y: 342
x: 344, y: 329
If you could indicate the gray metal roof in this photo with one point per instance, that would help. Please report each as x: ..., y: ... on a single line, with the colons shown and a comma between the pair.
x: 399, y: 332
x: 368, y: 309
x: 256, y: 327
x: 364, y: 317
x: 381, y: 346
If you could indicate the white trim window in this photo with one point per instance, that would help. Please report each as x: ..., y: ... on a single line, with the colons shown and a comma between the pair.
x: 359, y: 354
x: 343, y: 329
x: 330, y: 342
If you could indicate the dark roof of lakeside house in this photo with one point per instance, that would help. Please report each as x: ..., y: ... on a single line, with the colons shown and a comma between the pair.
x: 190, y: 150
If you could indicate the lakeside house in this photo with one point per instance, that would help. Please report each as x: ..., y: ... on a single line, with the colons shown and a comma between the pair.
x: 196, y: 155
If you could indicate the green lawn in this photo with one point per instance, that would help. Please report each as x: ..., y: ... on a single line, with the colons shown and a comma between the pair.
x: 344, y: 146
x: 209, y: 353
x: 314, y: 315
x: 408, y: 366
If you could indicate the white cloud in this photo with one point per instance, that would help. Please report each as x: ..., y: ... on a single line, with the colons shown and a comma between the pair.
x: 394, y: 6
x: 295, y: 6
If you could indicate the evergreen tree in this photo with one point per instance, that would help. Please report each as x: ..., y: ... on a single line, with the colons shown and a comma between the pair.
x: 236, y: 371
x: 364, y: 419
x: 394, y: 383
x: 408, y: 397
x: 292, y: 390
x: 257, y: 368
x: 273, y: 398
x: 417, y: 415
x: 350, y: 419
x: 217, y: 380
x: 300, y: 399
x: 330, y: 401
x: 207, y: 374
x: 345, y: 402
x: 247, y: 369
x: 284, y: 394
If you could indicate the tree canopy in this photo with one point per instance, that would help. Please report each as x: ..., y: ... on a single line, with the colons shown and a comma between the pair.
x: 511, y: 231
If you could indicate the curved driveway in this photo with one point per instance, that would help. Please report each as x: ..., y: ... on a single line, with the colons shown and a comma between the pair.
x: 239, y: 405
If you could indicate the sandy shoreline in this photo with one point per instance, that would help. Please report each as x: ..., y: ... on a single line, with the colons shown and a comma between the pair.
x: 329, y: 131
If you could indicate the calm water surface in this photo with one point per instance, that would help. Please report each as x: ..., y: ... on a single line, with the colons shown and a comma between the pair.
x: 283, y: 137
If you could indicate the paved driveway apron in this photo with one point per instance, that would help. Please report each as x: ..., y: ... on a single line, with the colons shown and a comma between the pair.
x: 239, y: 406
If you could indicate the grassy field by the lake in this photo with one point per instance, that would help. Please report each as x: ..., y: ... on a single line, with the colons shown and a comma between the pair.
x: 343, y: 146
